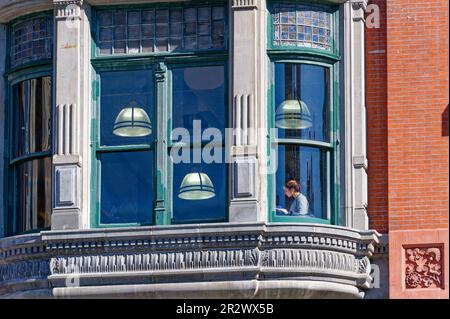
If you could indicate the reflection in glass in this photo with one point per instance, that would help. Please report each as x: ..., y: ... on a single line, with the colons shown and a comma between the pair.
x: 302, y: 99
x: 213, y: 204
x: 31, y: 116
x: 307, y: 166
x: 196, y: 186
x: 293, y: 114
x: 33, y: 195
x: 133, y: 121
x: 120, y: 89
x: 126, y: 188
x: 199, y: 95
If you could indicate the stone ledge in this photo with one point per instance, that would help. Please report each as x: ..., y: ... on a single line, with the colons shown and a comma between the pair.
x: 189, y: 255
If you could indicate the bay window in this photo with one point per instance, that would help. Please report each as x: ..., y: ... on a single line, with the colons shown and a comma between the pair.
x: 304, y: 113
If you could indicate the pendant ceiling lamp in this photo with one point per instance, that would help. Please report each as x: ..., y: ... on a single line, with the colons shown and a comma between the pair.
x: 294, y: 115
x: 133, y: 121
x: 196, y: 186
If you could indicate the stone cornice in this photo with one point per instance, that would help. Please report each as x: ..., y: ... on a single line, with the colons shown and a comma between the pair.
x: 12, y: 9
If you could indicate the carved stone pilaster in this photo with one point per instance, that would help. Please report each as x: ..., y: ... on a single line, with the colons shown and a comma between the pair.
x: 355, y: 115
x: 248, y: 46
x: 71, y: 124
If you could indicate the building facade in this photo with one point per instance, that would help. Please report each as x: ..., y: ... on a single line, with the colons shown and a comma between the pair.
x: 223, y: 149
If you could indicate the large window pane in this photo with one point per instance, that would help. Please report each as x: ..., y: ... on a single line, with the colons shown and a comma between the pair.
x: 127, y: 108
x: 199, y: 95
x: 127, y: 188
x: 302, y: 101
x: 33, y: 195
x: 31, y: 116
x: 199, y: 192
x: 307, y: 166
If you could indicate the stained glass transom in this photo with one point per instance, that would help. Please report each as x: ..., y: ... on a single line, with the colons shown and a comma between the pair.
x: 302, y: 26
x: 32, y: 40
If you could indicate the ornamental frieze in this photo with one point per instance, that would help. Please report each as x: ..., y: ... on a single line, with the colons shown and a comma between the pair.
x: 423, y: 268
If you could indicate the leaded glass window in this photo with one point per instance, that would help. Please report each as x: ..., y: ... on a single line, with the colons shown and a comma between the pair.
x: 31, y: 40
x: 137, y: 31
x: 302, y: 25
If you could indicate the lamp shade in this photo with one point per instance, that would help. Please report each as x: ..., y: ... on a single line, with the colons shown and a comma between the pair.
x: 133, y: 121
x: 196, y: 186
x: 293, y: 114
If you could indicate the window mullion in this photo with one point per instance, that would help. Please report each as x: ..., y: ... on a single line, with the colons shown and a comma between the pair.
x: 161, y: 88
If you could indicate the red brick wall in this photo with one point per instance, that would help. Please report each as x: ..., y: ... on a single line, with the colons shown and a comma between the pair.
x: 407, y: 108
x: 417, y: 101
x: 376, y: 104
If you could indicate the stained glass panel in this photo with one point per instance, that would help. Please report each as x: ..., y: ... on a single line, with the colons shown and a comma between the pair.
x: 302, y: 26
x: 31, y: 40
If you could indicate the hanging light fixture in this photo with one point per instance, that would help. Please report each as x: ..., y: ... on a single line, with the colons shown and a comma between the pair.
x: 133, y: 121
x: 196, y: 186
x: 293, y: 114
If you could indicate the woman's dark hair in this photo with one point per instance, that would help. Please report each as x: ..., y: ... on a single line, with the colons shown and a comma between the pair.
x: 292, y: 185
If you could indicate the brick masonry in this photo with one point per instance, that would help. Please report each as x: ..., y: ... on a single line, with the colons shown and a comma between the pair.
x: 407, y: 76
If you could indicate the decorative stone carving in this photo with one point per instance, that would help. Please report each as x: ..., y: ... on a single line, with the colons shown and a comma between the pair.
x: 66, y: 191
x: 25, y: 270
x: 187, y: 254
x: 244, y: 4
x: 67, y: 8
x: 155, y: 261
x: 423, y: 268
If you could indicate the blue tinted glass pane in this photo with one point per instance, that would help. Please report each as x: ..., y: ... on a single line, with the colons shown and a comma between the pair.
x: 211, y: 209
x: 199, y: 95
x: 307, y: 166
x: 127, y: 108
x: 309, y: 86
x: 126, y: 188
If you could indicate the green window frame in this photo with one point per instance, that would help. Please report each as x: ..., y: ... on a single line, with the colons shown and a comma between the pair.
x: 159, y: 65
x: 30, y: 68
x: 212, y: 63
x: 314, y: 57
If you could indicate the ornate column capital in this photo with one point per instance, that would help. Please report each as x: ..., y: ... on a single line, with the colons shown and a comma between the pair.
x: 245, y: 4
x: 359, y: 4
x: 359, y: 8
x: 67, y: 8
